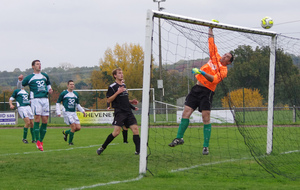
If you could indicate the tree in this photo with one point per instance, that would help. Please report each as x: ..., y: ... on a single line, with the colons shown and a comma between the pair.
x: 101, y: 102
x: 100, y: 80
x: 287, y: 83
x: 296, y: 60
x: 66, y: 66
x: 17, y: 70
x: 251, y: 70
x: 56, y: 92
x: 175, y: 85
x: 4, y: 97
x: 80, y: 85
x: 130, y: 59
x: 243, y: 97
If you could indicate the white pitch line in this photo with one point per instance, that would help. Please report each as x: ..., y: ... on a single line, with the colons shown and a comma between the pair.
x: 55, y: 150
x: 141, y: 176
x: 224, y: 161
x: 109, y: 183
x: 293, y: 151
x: 177, y: 170
x: 208, y: 164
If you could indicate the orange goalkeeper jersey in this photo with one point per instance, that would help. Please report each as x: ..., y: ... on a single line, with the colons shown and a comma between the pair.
x: 212, y: 67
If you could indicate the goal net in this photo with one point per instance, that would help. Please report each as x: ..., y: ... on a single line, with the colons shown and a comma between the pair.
x: 255, y: 111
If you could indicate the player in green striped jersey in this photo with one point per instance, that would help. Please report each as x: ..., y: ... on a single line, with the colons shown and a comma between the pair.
x: 25, y: 112
x: 39, y: 85
x: 70, y: 101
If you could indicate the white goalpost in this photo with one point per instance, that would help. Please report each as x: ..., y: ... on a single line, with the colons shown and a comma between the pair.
x: 145, y: 96
x: 148, y: 61
x: 271, y: 97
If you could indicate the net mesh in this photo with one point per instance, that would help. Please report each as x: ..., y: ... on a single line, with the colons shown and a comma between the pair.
x: 235, y: 147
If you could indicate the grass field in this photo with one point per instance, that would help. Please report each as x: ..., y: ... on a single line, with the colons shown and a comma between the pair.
x: 60, y: 166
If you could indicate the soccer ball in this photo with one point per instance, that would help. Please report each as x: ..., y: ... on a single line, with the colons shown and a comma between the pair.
x: 267, y: 22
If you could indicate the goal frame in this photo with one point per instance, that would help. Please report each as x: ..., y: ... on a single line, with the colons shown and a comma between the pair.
x: 151, y: 14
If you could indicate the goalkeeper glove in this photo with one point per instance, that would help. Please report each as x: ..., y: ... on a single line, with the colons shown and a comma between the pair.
x: 198, y: 71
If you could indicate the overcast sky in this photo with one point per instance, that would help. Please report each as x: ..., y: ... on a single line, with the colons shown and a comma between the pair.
x: 79, y: 31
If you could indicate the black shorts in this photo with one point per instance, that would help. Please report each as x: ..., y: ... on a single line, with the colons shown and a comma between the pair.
x: 124, y: 118
x: 200, y: 97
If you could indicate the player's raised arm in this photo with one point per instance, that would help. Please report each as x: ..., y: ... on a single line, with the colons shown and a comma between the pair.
x: 210, y: 32
x: 19, y: 83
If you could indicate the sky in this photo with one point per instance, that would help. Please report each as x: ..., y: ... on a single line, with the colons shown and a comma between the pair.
x: 78, y: 32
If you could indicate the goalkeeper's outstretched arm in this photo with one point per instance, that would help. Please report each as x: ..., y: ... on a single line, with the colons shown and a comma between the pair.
x: 210, y: 32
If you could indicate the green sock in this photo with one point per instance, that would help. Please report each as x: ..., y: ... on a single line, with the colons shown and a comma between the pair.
x: 71, y: 137
x: 182, y: 127
x: 43, y: 131
x: 206, y: 133
x: 36, y: 130
x: 25, y: 130
x: 68, y: 131
x: 32, y: 133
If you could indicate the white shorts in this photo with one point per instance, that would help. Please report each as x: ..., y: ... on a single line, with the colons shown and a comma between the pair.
x: 70, y: 118
x: 25, y: 111
x: 40, y: 106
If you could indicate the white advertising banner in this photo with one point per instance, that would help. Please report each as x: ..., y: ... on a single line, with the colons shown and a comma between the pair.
x: 216, y: 116
x: 8, y: 118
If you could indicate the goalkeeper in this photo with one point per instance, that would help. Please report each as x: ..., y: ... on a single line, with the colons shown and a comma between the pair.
x: 201, y: 95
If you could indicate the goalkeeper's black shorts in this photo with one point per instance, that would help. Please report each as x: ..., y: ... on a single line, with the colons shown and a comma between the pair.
x: 199, y: 97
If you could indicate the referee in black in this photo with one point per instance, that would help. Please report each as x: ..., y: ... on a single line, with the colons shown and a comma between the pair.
x: 117, y: 95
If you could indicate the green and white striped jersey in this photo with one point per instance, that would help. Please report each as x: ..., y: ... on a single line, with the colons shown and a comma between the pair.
x: 38, y: 84
x: 69, y: 100
x: 21, y: 97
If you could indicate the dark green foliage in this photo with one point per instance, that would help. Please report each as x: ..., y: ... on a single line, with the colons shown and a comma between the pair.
x: 251, y: 70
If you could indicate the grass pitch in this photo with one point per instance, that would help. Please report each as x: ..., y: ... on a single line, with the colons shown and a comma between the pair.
x: 61, y: 166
